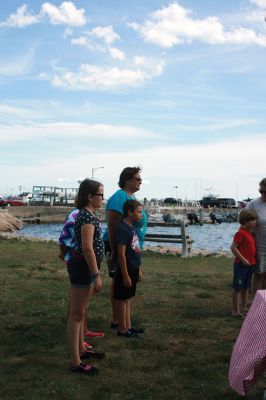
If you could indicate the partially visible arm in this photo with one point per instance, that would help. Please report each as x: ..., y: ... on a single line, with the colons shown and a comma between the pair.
x: 121, y: 249
x: 114, y: 218
x: 236, y: 252
x: 63, y: 251
x: 87, y: 232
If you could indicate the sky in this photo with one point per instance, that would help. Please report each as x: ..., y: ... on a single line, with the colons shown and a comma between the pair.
x: 88, y: 87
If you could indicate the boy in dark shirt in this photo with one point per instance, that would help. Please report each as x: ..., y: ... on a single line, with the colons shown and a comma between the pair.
x: 128, y: 272
x: 244, y: 250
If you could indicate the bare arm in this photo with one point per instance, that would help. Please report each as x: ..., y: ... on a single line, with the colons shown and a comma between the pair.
x: 121, y: 249
x: 87, y: 232
x: 236, y: 252
x: 113, y: 221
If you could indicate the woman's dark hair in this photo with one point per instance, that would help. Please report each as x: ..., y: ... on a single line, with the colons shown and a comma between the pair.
x: 86, y: 187
x: 247, y: 215
x: 130, y: 205
x: 263, y: 183
x: 126, y: 174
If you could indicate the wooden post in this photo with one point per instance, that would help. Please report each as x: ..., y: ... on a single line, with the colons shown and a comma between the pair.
x: 184, y: 239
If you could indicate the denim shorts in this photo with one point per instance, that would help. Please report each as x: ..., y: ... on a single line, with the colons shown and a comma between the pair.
x: 242, y: 276
x: 79, y: 273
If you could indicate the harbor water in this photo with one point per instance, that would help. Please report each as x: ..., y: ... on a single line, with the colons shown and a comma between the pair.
x: 211, y: 237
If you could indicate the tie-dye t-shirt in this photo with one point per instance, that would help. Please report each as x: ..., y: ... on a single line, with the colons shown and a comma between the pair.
x: 67, y: 237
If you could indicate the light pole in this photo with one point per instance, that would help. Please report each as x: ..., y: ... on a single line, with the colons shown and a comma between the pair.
x: 176, y: 187
x: 94, y: 169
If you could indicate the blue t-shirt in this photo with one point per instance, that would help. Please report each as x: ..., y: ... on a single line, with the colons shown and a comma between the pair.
x: 127, y: 236
x: 115, y: 203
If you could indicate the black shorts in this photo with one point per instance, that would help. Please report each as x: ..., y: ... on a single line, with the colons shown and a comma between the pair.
x: 120, y: 291
x: 79, y: 273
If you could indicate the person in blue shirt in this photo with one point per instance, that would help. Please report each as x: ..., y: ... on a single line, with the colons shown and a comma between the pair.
x: 129, y: 183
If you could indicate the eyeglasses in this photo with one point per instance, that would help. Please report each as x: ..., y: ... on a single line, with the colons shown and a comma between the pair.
x: 262, y: 191
x: 137, y: 179
x: 99, y: 194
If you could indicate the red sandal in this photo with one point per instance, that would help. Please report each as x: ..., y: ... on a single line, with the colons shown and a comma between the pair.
x: 91, y: 334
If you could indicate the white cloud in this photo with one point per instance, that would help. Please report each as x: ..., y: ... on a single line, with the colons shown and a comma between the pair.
x: 21, y: 18
x: 116, y: 54
x: 68, y: 32
x: 259, y: 3
x: 217, y: 125
x: 101, y: 38
x: 65, y: 14
x: 93, y: 77
x: 140, y: 60
x: 106, y: 33
x: 65, y: 131
x: 174, y: 24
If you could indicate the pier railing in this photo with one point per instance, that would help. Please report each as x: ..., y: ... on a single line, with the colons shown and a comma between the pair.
x: 182, y: 238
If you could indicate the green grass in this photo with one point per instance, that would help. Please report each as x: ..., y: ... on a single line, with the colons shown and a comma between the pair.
x: 183, y: 304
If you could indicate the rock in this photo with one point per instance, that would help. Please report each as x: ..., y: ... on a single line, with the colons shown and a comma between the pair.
x: 9, y: 223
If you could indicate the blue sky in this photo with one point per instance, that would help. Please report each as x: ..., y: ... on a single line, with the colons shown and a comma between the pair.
x: 175, y: 87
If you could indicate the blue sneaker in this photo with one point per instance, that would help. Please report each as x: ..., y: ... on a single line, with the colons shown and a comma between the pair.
x: 136, y: 330
x: 126, y: 334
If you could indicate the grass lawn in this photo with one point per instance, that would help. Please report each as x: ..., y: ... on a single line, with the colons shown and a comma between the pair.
x: 183, y: 304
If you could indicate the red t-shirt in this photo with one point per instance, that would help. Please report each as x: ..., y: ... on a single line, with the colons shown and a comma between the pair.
x: 246, y: 245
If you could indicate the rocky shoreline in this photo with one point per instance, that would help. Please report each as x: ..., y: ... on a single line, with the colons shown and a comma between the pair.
x: 9, y: 223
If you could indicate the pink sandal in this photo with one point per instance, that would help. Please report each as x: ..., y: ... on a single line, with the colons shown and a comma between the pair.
x: 87, y: 346
x: 84, y: 369
x: 94, y: 334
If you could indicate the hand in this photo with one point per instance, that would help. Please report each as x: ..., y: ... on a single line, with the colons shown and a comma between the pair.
x: 246, y: 263
x: 98, y: 284
x: 127, y: 281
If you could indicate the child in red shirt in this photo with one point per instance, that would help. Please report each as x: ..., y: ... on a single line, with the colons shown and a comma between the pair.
x: 244, y: 249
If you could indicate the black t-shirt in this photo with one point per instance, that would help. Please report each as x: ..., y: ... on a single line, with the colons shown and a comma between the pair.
x: 87, y: 217
x: 127, y: 236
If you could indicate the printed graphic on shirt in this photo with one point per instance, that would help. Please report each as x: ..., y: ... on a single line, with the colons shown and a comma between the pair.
x: 135, y: 243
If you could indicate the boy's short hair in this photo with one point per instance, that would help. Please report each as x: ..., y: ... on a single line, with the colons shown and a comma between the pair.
x: 247, y: 215
x: 130, y: 205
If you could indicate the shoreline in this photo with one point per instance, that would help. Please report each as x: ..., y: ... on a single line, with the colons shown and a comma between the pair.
x: 161, y: 249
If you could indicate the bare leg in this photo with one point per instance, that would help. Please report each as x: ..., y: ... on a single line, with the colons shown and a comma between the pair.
x: 113, y: 304
x: 85, y: 326
x: 244, y: 300
x: 128, y: 315
x: 235, y: 302
x: 122, y: 312
x: 79, y: 298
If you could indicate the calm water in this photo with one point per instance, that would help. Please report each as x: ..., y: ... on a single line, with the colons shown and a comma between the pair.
x: 208, y: 236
